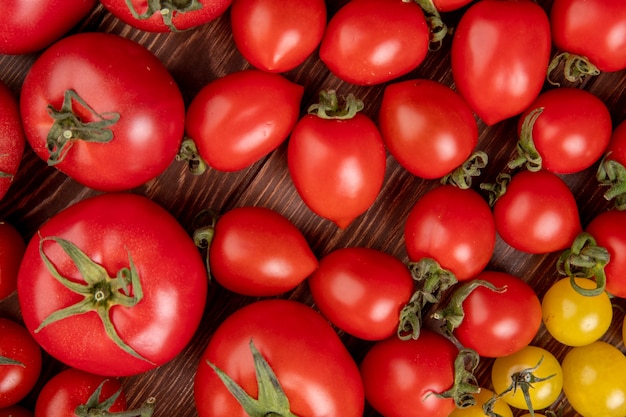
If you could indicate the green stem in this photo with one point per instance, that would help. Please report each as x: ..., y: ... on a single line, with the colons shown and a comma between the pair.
x: 497, y: 189
x: 438, y: 29
x: 527, y: 154
x: 462, y: 176
x: 585, y: 259
x: 575, y: 67
x: 330, y: 108
x: 168, y: 9
x: 94, y: 408
x: 465, y: 382
x: 612, y: 174
x: 189, y: 152
x: 204, y: 231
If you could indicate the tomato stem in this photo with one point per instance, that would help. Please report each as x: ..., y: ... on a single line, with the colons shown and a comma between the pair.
x: 526, y: 152
x: 167, y: 9
x: 612, y: 174
x: 438, y: 29
x: 465, y: 382
x: 585, y: 259
x: 188, y: 152
x: 462, y: 176
x: 329, y: 106
x: 94, y: 408
x: 8, y: 361
x: 203, y: 234
x: 497, y: 189
x: 575, y: 67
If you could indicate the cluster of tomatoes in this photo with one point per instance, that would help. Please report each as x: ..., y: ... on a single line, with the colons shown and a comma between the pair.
x: 125, y: 272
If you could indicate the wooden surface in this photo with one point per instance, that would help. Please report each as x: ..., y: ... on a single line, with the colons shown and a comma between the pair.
x: 196, y: 57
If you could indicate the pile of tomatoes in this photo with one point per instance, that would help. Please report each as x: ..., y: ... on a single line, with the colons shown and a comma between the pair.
x: 365, y: 266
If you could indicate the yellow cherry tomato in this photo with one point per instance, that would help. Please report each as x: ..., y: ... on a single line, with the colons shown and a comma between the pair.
x: 500, y: 407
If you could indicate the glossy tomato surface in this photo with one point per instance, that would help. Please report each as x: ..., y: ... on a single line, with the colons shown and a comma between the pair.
x: 12, y: 247
x: 12, y: 140
x: 15, y: 411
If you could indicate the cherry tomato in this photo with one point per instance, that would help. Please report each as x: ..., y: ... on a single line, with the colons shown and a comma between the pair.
x: 500, y: 407
x: 362, y: 291
x: 256, y: 251
x: 103, y: 270
x: 498, y: 65
x: 275, y: 35
x: 20, y: 362
x: 609, y: 231
x: 595, y: 380
x: 312, y: 366
x: 373, y: 41
x: 427, y: 127
x: 103, y: 110
x: 12, y: 247
x: 12, y: 140
x: 237, y: 119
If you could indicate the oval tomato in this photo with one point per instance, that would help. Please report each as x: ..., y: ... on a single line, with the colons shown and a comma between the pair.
x: 277, y: 35
x: 609, y: 231
x: 104, y: 269
x: 237, y: 119
x: 427, y: 127
x: 103, y: 110
x: 12, y: 247
x: 275, y: 328
x: 498, y: 65
x: 15, y: 411
x: 373, y: 41
x: 256, y: 251
x: 12, y: 140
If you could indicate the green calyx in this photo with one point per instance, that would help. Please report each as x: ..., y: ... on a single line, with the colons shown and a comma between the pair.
x: 497, y: 189
x: 168, y: 9
x: 462, y: 176
x: 438, y: 29
x: 188, y: 152
x: 575, y: 67
x: 585, y: 259
x: 465, y: 382
x: 612, y: 174
x: 204, y: 231
x: 527, y: 154
x: 94, y: 408
x: 329, y: 106
x: 100, y: 291
x: 8, y: 361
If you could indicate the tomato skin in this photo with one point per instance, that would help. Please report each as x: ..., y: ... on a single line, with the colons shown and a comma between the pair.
x: 237, y: 119
x: 427, y: 127
x: 450, y: 5
x: 12, y: 247
x: 399, y: 375
x: 15, y: 411
x: 256, y: 251
x: 362, y: 291
x: 276, y: 327
x: 609, y: 231
x: 12, y: 140
x: 370, y: 42
x: 537, y: 213
x: 455, y: 227
x: 500, y: 407
x: 111, y: 74
x: 337, y: 166
x: 71, y: 388
x: 275, y: 35
x: 108, y: 228
x: 17, y: 381
x: 499, y: 63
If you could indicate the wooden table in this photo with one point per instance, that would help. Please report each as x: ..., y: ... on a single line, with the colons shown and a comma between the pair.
x: 196, y: 57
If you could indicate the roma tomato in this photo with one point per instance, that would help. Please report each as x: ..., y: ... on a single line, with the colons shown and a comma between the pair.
x: 277, y: 35
x: 15, y: 411
x: 274, y: 328
x: 103, y: 110
x: 12, y: 247
x: 20, y: 362
x: 499, y: 63
x: 12, y: 140
x: 362, y: 291
x: 612, y: 171
x: 609, y: 231
x: 117, y: 269
x: 373, y: 41
x: 237, y: 119
x: 427, y: 127
x: 500, y: 407
x: 256, y: 251
x: 166, y: 16
x: 453, y: 226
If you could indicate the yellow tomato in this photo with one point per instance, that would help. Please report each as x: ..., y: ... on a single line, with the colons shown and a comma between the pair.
x: 500, y: 407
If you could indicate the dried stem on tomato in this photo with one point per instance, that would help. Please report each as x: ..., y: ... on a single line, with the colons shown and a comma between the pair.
x: 585, y: 259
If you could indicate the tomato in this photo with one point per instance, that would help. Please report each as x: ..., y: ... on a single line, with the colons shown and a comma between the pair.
x: 12, y: 249
x: 450, y: 5
x: 275, y: 327
x: 256, y: 251
x: 166, y: 16
x: 116, y: 261
x: 15, y: 411
x: 20, y: 362
x: 239, y: 118
x: 362, y: 291
x: 277, y: 36
x: 546, y: 385
x: 498, y: 65
x: 337, y: 165
x: 373, y: 41
x: 575, y: 319
x: 611, y: 172
x: 537, y: 213
x: 500, y: 407
x: 609, y: 231
x: 12, y: 140
x: 600, y: 369
x: 453, y: 226
x: 71, y: 388
x: 103, y: 110
x: 427, y: 127
x: 570, y: 132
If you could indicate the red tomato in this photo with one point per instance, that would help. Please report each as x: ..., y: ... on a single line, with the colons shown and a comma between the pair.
x: 237, y: 119
x: 427, y: 127
x: 537, y: 213
x: 277, y: 35
x: 20, y: 362
x: 12, y: 248
x: 256, y: 251
x: 373, y: 41
x: 362, y: 291
x: 15, y: 411
x: 135, y: 261
x: 450, y: 5
x: 118, y: 114
x: 12, y: 139
x: 31, y: 25
x: 498, y: 64
x: 571, y: 131
x: 455, y: 227
x: 313, y: 367
x: 612, y: 171
x: 166, y: 16
x: 71, y: 388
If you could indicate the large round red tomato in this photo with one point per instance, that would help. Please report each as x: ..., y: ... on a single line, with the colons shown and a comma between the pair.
x: 500, y: 55
x: 373, y: 41
x: 277, y: 35
x: 119, y: 277
x: 309, y: 362
x: 12, y: 139
x: 104, y: 110
x: 12, y: 248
